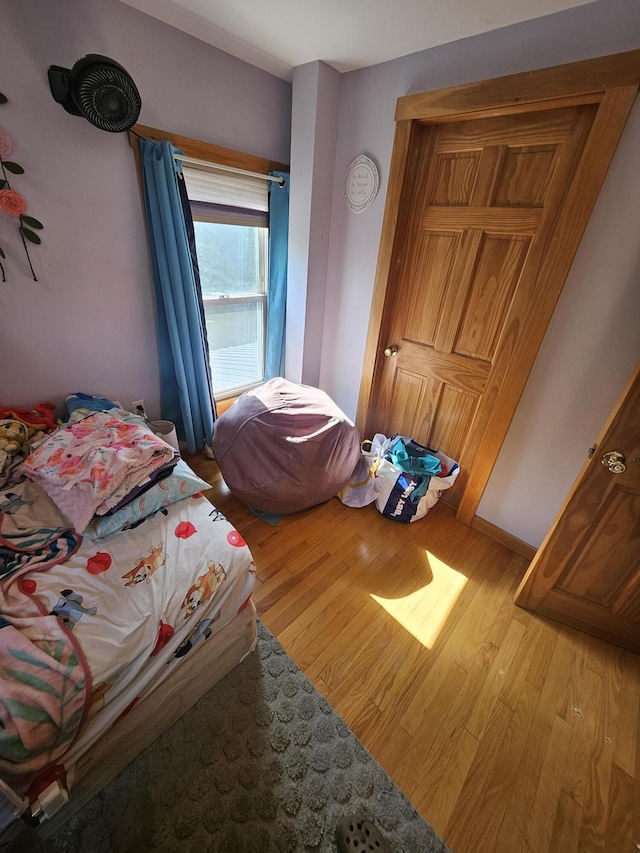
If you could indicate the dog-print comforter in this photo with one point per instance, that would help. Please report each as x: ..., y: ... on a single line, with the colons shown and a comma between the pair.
x: 130, y: 607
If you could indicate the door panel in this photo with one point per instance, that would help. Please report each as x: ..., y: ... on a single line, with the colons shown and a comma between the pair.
x: 587, y: 571
x: 525, y: 175
x: 499, y: 262
x: 453, y: 418
x: 455, y: 177
x: 436, y: 251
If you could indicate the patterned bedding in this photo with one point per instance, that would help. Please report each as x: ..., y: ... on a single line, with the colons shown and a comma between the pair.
x: 88, y: 627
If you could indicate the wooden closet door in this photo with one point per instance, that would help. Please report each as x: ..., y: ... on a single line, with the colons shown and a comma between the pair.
x: 481, y: 215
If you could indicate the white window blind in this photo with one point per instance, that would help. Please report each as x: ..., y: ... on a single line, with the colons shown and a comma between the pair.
x: 207, y: 184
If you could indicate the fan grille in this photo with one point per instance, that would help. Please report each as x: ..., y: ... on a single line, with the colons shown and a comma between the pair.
x: 108, y: 99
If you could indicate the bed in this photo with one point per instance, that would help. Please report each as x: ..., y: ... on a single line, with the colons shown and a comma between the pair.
x: 107, y: 637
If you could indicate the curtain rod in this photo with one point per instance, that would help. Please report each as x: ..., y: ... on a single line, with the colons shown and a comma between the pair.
x: 217, y: 167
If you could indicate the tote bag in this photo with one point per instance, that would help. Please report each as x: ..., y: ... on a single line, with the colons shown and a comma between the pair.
x: 407, y: 489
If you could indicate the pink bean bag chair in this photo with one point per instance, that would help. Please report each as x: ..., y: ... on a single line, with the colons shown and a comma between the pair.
x: 284, y: 447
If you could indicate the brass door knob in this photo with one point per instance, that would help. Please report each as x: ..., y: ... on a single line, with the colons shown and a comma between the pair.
x: 614, y: 461
x: 391, y: 350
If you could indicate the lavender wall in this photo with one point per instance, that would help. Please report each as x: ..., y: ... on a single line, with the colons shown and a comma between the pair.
x: 594, y: 339
x: 88, y: 324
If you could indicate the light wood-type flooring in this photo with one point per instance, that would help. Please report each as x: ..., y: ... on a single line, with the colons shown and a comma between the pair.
x: 510, y: 733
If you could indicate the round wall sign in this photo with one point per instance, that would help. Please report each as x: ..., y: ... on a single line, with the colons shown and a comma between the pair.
x: 361, y: 183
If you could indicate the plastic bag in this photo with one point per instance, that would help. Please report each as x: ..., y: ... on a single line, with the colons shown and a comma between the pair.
x: 363, y: 486
x: 411, y: 479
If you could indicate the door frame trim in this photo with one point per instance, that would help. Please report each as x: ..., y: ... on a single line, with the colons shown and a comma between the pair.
x: 610, y: 83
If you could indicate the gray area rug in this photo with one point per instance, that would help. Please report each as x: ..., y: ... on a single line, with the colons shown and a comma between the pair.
x: 261, y: 764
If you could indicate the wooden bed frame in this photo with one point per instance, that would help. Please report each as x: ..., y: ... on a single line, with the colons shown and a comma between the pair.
x: 169, y: 701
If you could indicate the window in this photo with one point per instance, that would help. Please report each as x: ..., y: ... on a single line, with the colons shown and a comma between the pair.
x: 231, y: 230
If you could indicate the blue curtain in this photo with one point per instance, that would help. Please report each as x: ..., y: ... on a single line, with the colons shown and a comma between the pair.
x: 186, y: 392
x: 277, y: 298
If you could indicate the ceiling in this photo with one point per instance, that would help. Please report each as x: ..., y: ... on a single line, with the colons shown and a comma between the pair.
x: 278, y: 35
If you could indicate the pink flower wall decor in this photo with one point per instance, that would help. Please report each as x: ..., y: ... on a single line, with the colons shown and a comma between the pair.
x: 11, y: 202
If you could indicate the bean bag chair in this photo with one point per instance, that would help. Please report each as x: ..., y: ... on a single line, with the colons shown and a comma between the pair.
x: 284, y: 447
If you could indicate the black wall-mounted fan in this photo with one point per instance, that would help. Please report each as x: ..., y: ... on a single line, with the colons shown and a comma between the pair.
x: 100, y: 90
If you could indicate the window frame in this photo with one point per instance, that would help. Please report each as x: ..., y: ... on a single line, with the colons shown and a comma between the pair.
x: 202, y: 150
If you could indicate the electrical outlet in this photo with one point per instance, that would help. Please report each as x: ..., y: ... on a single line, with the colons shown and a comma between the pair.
x: 139, y: 408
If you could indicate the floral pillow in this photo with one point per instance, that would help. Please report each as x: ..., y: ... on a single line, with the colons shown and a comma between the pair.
x: 181, y: 483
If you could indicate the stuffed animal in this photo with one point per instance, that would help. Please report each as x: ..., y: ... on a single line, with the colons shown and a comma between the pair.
x: 13, y: 435
x: 18, y: 426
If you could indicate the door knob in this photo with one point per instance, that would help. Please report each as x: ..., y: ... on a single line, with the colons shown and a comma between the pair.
x: 614, y: 461
x: 391, y: 350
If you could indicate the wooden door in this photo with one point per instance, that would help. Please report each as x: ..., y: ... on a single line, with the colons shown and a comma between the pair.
x: 485, y: 201
x: 587, y: 571
x: 490, y: 190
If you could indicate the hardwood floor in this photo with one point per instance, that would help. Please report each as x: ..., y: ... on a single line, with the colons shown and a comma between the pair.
x: 509, y: 733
